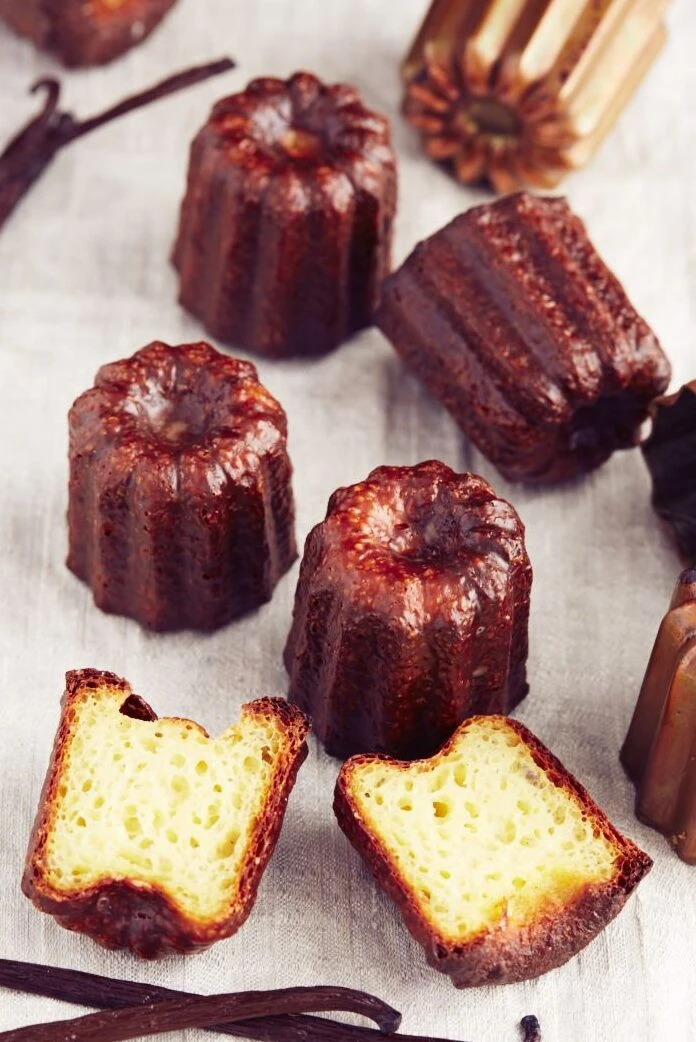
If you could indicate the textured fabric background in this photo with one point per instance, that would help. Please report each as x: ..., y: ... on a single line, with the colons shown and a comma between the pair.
x: 85, y: 278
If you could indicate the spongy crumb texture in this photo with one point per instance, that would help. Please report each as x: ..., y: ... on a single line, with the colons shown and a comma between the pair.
x: 483, y: 835
x: 159, y: 802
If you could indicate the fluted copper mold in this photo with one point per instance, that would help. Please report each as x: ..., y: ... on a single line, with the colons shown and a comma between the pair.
x: 670, y: 455
x: 286, y: 225
x: 79, y: 33
x: 519, y: 92
x: 512, y: 320
x: 410, y: 613
x: 180, y: 511
x: 659, y: 753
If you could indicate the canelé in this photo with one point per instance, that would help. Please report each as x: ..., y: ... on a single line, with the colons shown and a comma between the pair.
x: 670, y: 454
x: 659, y: 753
x: 286, y: 225
x: 150, y: 835
x: 510, y: 318
x: 410, y: 613
x: 521, y: 93
x: 501, y: 864
x: 180, y: 503
x: 79, y: 33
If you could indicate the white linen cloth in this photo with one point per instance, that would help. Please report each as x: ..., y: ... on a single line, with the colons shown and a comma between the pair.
x: 85, y: 278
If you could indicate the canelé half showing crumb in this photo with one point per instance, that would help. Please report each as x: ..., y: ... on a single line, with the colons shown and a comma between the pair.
x: 150, y: 835
x: 501, y: 863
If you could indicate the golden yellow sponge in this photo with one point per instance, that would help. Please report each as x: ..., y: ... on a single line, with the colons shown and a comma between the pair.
x: 501, y: 863
x: 150, y: 835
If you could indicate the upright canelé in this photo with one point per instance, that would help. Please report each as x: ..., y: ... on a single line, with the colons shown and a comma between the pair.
x: 180, y: 509
x: 511, y: 319
x: 79, y: 33
x: 411, y: 612
x: 286, y: 225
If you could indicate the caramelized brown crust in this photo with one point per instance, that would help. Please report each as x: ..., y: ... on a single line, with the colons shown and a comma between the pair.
x: 181, y: 512
x: 85, y: 34
x: 659, y: 752
x: 141, y: 916
x: 411, y: 611
x: 510, y: 318
x: 505, y: 954
x: 286, y: 226
x: 670, y: 455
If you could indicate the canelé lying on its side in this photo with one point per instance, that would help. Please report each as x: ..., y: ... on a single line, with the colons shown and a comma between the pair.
x: 181, y: 512
x: 498, y: 859
x: 79, y: 33
x: 149, y: 834
x: 523, y: 92
x: 511, y: 319
x: 411, y: 611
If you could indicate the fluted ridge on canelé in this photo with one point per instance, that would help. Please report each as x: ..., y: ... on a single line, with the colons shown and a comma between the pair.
x: 658, y: 752
x: 286, y: 225
x: 181, y: 512
x: 511, y: 319
x: 411, y: 611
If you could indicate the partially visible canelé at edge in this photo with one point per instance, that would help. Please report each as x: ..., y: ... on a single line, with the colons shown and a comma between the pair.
x: 670, y: 455
x: 286, y: 226
x: 79, y: 33
x: 181, y: 511
x: 659, y: 753
x: 512, y: 320
x: 411, y: 612
x: 522, y: 93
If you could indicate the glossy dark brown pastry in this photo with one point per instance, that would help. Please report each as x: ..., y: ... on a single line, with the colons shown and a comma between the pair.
x: 150, y: 835
x: 670, y: 454
x: 411, y: 612
x: 79, y: 33
x: 286, y: 226
x: 511, y: 319
x: 659, y: 753
x: 180, y: 509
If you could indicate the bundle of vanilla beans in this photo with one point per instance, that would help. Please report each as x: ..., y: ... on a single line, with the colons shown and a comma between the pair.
x: 134, y: 1010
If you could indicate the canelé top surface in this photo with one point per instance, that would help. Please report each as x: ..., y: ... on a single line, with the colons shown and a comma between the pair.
x: 302, y: 126
x: 179, y: 405
x: 422, y: 542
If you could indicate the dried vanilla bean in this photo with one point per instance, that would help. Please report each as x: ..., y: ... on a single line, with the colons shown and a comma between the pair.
x: 29, y: 153
x: 195, y: 1011
x: 89, y: 989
